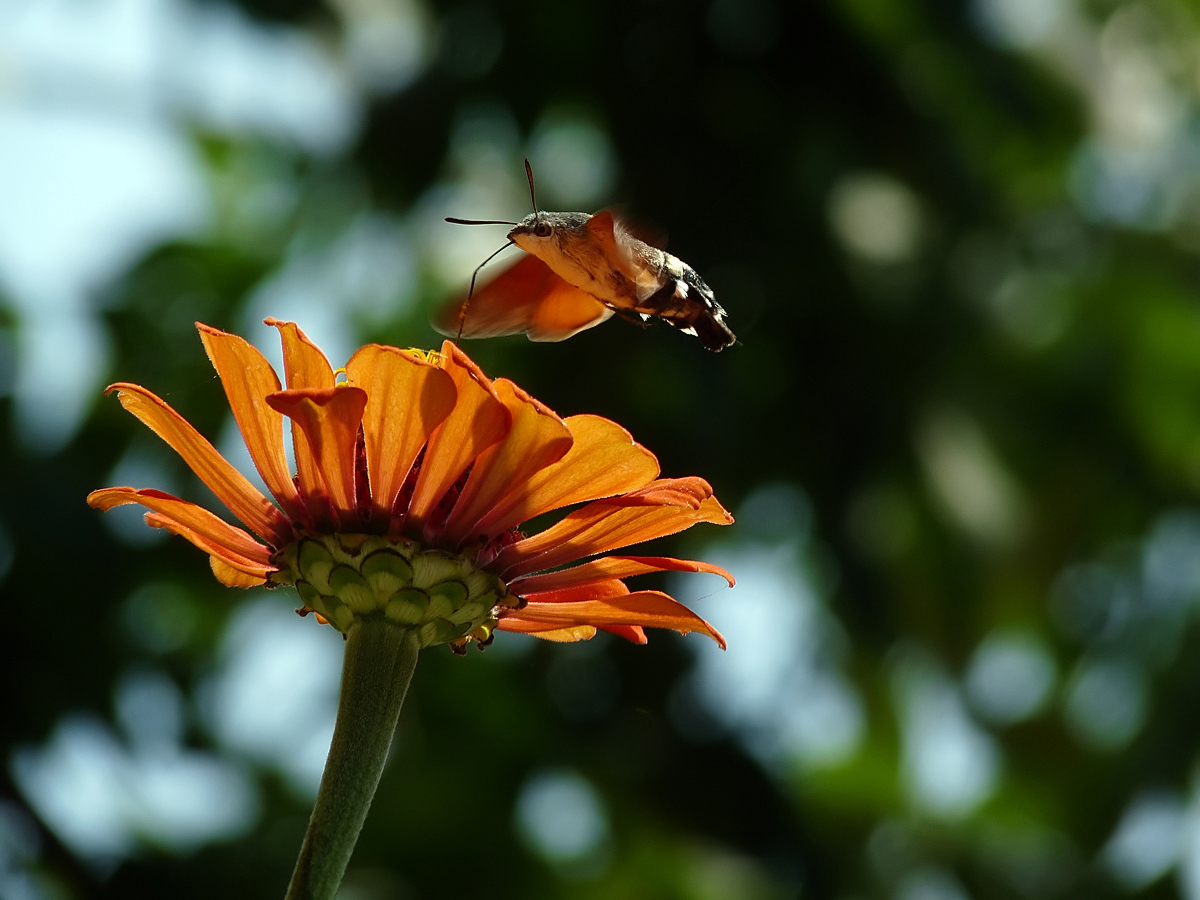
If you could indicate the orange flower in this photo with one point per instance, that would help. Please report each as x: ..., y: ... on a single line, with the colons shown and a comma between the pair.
x: 412, y: 479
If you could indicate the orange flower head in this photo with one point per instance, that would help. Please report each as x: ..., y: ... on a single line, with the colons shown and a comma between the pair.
x: 413, y: 477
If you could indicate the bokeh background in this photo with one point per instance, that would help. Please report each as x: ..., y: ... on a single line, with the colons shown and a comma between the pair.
x: 960, y: 244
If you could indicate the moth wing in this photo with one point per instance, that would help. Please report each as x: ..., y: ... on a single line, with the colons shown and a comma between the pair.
x: 564, y: 311
x: 650, y: 235
x: 526, y: 298
x: 640, y: 262
x: 606, y: 232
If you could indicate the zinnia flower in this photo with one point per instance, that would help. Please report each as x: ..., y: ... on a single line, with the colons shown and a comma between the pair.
x: 400, y: 528
x: 413, y: 477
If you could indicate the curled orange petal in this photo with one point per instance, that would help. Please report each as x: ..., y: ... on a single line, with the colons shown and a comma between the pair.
x: 594, y: 590
x: 691, y: 492
x: 632, y: 633
x: 603, y: 461
x: 220, y: 537
x: 230, y: 576
x: 247, y: 378
x: 329, y: 419
x: 248, y: 568
x: 611, y: 567
x: 610, y: 525
x: 647, y: 609
x: 478, y: 421
x: 305, y: 366
x: 537, y: 439
x: 232, y: 488
x: 548, y: 632
x: 407, y: 398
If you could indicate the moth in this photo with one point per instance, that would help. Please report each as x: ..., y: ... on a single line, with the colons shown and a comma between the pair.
x: 578, y: 271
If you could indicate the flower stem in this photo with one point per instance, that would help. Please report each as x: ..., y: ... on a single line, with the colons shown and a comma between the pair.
x: 378, y: 665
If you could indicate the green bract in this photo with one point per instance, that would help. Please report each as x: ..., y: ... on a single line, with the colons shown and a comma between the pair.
x: 442, y: 596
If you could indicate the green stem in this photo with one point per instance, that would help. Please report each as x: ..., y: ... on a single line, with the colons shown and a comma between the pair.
x: 379, y: 662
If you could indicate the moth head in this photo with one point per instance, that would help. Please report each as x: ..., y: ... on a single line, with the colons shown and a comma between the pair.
x: 543, y: 229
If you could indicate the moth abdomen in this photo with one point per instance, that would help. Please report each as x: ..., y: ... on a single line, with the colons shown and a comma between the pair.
x: 686, y: 302
x: 712, y: 331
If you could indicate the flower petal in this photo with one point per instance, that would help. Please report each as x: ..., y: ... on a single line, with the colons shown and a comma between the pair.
x: 247, y: 378
x: 611, y: 567
x: 548, y: 632
x: 247, y: 568
x: 232, y: 577
x: 537, y: 439
x: 661, y: 508
x: 329, y: 418
x: 407, y: 398
x: 230, y: 571
x: 632, y: 633
x: 218, y: 536
x: 478, y: 421
x: 305, y: 366
x: 650, y: 609
x: 595, y: 590
x: 604, y: 461
x: 232, y: 488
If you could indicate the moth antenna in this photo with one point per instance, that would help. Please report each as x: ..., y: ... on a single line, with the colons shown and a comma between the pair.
x: 458, y: 221
x: 462, y: 312
x: 532, y: 197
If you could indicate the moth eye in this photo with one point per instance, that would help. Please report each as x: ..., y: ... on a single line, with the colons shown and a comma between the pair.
x: 542, y: 230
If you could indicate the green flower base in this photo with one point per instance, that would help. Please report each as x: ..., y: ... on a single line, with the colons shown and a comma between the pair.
x: 443, y: 598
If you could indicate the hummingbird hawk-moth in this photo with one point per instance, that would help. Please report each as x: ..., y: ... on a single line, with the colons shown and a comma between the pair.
x: 579, y: 270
